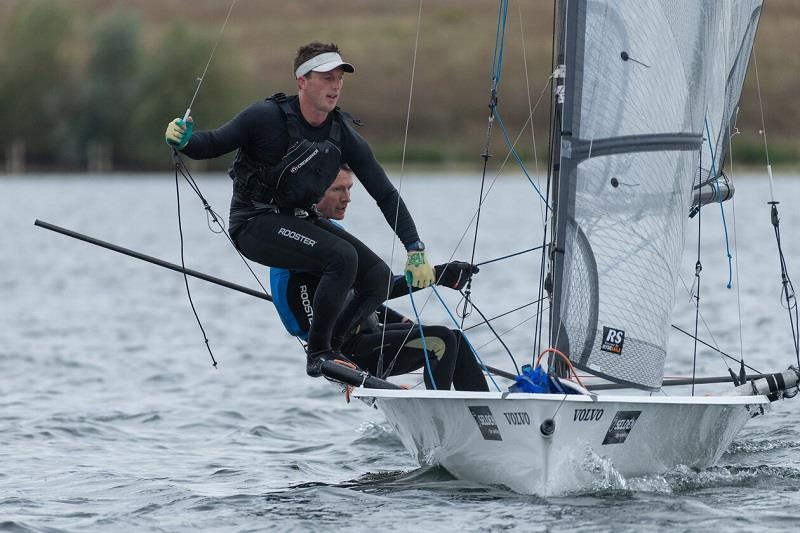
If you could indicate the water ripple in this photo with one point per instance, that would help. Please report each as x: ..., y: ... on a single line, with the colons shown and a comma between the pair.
x: 111, y: 418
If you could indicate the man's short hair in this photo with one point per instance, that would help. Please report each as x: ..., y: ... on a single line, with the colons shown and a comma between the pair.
x: 307, y: 51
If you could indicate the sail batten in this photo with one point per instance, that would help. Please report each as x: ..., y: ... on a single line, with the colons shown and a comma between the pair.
x: 639, y: 79
x: 585, y: 148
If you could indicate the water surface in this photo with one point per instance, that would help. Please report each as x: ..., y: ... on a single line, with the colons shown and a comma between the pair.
x: 112, y: 418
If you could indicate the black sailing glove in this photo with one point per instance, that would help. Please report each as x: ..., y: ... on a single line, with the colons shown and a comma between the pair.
x: 454, y: 274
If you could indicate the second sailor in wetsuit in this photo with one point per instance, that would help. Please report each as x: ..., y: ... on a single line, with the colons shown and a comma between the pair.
x: 289, y: 150
x: 451, y: 359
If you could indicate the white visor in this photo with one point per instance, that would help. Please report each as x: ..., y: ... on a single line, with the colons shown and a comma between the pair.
x: 323, y: 63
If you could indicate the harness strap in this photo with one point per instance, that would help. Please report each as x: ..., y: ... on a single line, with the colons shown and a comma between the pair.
x: 293, y: 121
x: 336, y: 129
x: 310, y: 212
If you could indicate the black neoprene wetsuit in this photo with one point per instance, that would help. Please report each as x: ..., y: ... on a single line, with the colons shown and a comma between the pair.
x: 281, y: 239
x: 260, y: 134
x: 450, y: 357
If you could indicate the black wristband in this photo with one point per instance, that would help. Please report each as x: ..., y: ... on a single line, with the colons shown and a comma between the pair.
x: 417, y: 246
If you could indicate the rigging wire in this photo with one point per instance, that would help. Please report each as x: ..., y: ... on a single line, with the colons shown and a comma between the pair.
x: 497, y: 69
x: 211, y: 215
x: 421, y: 336
x: 715, y: 346
x: 208, y: 63
x: 185, y: 277
x: 729, y: 125
x: 499, y: 44
x: 519, y: 159
x: 716, y: 349
x: 509, y: 256
x: 379, y: 366
x: 484, y: 194
x: 698, y: 267
x: 509, y: 330
x: 736, y: 249
x: 543, y: 211
x: 494, y: 180
x: 493, y: 183
x: 787, y: 287
x: 714, y: 182
x: 528, y: 94
x: 539, y: 326
x: 489, y: 325
x: 464, y: 337
x: 481, y: 323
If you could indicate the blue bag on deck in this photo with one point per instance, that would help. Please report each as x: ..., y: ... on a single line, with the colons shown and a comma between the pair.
x: 536, y: 380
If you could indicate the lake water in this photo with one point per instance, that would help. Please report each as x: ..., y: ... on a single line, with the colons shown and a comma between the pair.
x: 112, y: 418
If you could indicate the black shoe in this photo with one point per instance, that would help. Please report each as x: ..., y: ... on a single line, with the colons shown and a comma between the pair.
x: 314, y: 361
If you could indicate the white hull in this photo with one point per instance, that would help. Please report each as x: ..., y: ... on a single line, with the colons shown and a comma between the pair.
x: 493, y: 439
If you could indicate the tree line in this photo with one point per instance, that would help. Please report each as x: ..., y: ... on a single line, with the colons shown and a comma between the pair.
x: 80, y: 91
x: 67, y: 100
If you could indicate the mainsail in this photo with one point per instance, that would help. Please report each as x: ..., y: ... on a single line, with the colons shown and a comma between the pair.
x: 639, y: 79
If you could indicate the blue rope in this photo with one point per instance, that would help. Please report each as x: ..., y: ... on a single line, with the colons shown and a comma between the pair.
x: 422, y: 336
x: 718, y: 194
x: 497, y: 67
x: 474, y: 351
x: 518, y: 158
x: 499, y: 43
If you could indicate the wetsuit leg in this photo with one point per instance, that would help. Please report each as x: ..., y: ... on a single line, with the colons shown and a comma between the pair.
x: 402, y: 349
x: 468, y: 374
x: 285, y: 241
x: 369, y: 288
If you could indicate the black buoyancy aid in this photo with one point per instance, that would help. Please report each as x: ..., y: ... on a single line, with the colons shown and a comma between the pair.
x: 306, y: 170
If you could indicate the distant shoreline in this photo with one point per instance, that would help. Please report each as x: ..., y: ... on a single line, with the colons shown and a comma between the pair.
x: 780, y: 171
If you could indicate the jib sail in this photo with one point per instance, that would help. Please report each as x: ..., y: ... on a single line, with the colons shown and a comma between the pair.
x: 736, y: 30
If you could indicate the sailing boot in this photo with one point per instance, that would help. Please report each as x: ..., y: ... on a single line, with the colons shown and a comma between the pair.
x: 314, y: 361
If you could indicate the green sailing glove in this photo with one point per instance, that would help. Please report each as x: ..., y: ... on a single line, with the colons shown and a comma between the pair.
x: 419, y: 273
x: 179, y: 132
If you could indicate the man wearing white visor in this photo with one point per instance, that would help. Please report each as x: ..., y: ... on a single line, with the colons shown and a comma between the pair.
x: 289, y: 150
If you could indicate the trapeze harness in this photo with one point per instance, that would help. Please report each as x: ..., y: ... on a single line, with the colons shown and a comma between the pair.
x: 301, y: 177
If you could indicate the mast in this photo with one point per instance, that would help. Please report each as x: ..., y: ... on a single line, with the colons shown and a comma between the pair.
x: 559, y: 191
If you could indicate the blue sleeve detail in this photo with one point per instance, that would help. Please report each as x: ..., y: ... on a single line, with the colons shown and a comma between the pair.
x: 279, y: 283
